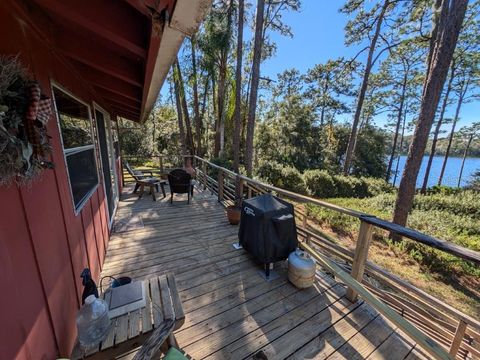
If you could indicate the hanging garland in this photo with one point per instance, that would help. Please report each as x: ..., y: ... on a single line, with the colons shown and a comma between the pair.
x: 24, y: 113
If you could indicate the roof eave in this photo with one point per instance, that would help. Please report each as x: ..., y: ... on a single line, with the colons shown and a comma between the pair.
x: 164, y: 46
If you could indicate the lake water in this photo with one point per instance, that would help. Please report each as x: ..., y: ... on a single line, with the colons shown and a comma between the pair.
x: 450, y: 178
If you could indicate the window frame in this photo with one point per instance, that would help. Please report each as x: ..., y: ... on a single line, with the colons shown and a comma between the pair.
x: 108, y: 122
x: 77, y: 209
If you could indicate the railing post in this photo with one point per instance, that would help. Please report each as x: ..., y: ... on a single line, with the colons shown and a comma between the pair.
x: 457, y: 339
x: 220, y: 185
x: 360, y: 257
x: 204, y: 171
x: 304, y: 220
x: 161, y: 164
x: 249, y: 192
x: 238, y: 190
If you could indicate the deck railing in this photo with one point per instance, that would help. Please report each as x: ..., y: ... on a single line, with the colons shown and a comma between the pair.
x: 438, y: 328
x: 441, y: 330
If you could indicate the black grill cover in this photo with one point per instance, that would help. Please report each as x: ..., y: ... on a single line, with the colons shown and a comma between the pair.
x: 267, y: 228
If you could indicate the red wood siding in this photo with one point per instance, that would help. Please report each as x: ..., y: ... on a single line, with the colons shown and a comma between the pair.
x: 43, y: 245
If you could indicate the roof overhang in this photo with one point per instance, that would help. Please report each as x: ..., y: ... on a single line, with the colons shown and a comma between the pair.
x: 123, y: 49
x: 185, y: 21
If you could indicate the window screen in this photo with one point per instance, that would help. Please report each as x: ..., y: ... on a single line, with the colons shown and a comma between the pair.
x: 78, y: 146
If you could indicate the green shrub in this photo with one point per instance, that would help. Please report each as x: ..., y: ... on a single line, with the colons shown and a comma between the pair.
x: 220, y: 161
x: 320, y: 183
x: 443, y: 190
x: 377, y: 186
x: 270, y: 171
x: 344, y: 185
x: 466, y: 203
x: 292, y: 180
x: 284, y: 177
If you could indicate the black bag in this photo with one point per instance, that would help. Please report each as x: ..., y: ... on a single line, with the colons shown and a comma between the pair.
x: 267, y: 228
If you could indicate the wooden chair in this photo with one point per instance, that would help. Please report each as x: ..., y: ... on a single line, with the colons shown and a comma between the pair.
x: 180, y: 182
x: 145, y: 179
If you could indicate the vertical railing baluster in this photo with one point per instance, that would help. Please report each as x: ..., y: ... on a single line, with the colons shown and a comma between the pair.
x: 457, y: 339
x: 220, y: 185
x: 204, y: 171
x: 360, y: 256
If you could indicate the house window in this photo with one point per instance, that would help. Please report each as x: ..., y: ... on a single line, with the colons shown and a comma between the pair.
x: 78, y: 146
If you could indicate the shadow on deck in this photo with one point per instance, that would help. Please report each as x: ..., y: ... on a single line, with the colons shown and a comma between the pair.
x: 231, y: 312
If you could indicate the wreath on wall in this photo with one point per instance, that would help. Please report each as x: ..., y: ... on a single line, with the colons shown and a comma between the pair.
x: 24, y: 113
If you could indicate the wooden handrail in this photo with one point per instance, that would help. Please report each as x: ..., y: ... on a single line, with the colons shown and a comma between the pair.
x: 459, y: 251
x: 442, y: 245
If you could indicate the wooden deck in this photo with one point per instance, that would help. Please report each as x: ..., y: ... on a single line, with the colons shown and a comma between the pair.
x: 231, y: 311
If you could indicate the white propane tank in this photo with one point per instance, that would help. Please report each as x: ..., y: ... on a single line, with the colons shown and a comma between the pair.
x: 301, y: 269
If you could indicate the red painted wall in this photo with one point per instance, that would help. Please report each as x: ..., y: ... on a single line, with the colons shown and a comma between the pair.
x: 43, y: 245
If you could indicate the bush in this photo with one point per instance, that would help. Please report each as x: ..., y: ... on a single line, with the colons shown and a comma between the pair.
x: 466, y: 202
x: 444, y: 190
x: 292, y: 180
x: 270, y: 171
x: 377, y: 186
x: 320, y: 183
x: 220, y: 161
x: 344, y: 185
x: 284, y: 177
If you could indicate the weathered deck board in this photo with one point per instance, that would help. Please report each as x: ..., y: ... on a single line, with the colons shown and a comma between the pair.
x: 231, y: 312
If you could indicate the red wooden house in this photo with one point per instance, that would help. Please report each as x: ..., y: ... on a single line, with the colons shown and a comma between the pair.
x: 98, y: 60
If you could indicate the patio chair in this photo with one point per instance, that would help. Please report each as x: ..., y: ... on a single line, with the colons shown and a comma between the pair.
x: 180, y: 182
x: 145, y: 178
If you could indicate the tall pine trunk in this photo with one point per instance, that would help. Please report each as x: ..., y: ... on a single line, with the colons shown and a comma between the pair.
x: 222, y: 88
x: 397, y: 127
x: 437, y: 129
x: 178, y: 103
x: 186, y: 116
x: 447, y: 29
x: 196, y: 109
x: 252, y: 103
x: 465, y: 153
x: 363, y: 90
x: 238, y: 89
x: 452, y: 132
x: 401, y: 147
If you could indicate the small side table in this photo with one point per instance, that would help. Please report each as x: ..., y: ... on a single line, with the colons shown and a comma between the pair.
x: 153, y: 185
x: 131, y: 330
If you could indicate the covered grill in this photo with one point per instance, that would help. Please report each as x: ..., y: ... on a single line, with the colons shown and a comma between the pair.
x: 267, y: 229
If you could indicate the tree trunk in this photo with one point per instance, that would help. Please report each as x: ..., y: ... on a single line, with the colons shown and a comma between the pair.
x: 196, y: 110
x: 465, y: 153
x: 222, y: 88
x: 252, y: 104
x: 186, y: 116
x: 401, y: 147
x: 181, y: 129
x: 397, y: 128
x: 363, y: 89
x: 452, y: 132
x: 238, y: 89
x: 204, y: 99
x: 449, y: 25
x: 437, y: 129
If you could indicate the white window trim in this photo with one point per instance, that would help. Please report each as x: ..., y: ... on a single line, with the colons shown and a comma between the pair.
x: 76, y: 209
x: 108, y: 127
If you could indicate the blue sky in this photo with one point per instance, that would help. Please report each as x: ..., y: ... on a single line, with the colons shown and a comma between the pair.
x: 318, y: 36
